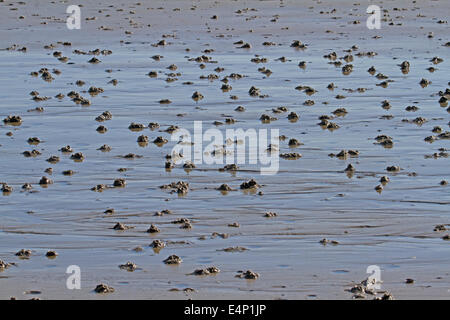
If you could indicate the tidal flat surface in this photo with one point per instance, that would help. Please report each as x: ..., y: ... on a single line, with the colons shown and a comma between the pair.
x: 313, y: 196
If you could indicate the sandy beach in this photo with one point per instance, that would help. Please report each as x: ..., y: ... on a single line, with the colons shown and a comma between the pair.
x: 85, y: 138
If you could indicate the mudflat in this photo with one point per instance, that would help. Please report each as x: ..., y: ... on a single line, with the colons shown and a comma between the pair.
x: 87, y: 117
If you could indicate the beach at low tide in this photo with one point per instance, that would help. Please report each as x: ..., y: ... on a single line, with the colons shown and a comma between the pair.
x: 314, y: 198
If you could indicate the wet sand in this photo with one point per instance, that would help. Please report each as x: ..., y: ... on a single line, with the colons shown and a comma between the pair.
x: 313, y: 197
